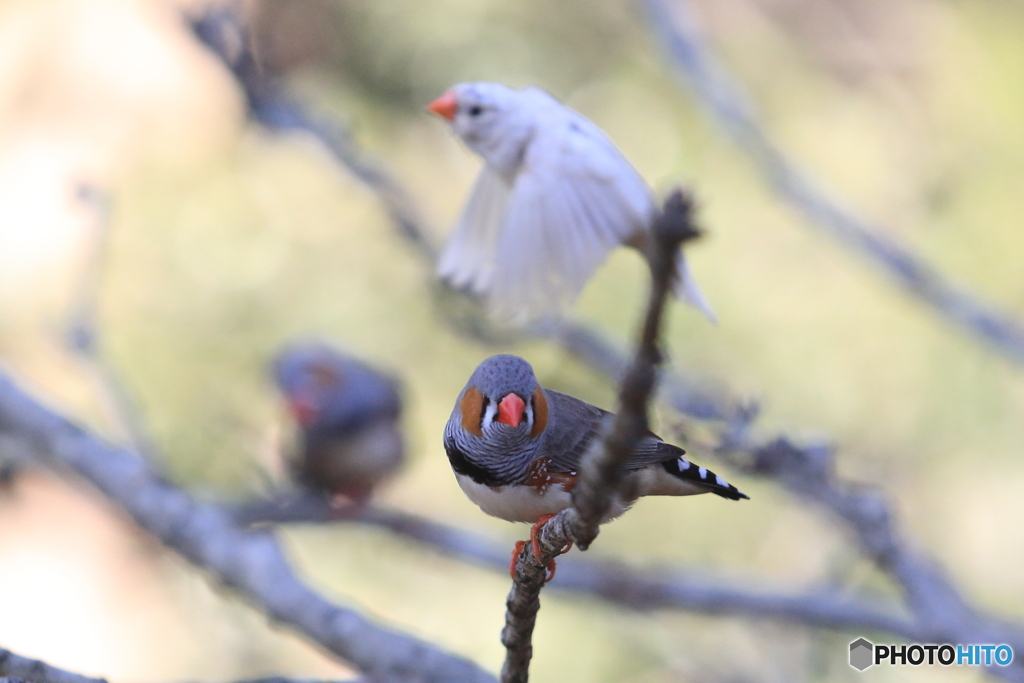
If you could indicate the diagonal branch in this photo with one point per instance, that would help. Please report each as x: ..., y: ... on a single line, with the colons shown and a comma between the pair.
x: 18, y: 668
x: 722, y: 95
x: 251, y: 562
x: 940, y: 611
x: 35, y: 671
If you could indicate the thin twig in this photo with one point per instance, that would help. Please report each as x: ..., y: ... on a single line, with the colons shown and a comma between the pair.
x: 601, y: 467
x: 251, y: 562
x: 722, y: 95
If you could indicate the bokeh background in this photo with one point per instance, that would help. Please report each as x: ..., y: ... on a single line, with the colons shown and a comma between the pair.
x: 227, y: 240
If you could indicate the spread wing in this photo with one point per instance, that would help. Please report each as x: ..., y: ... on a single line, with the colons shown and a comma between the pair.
x: 574, y: 199
x: 468, y: 257
x: 573, y: 426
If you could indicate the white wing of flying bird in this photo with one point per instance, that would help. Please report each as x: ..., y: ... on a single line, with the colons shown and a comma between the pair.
x: 574, y: 199
x: 469, y: 256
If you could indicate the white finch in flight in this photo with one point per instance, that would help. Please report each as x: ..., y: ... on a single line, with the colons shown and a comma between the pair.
x: 553, y: 198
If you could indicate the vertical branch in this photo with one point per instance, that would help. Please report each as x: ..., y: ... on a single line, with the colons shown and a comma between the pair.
x: 601, y: 467
x: 600, y: 470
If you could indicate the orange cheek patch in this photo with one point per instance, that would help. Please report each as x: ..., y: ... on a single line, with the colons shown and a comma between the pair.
x: 471, y: 406
x: 540, y: 412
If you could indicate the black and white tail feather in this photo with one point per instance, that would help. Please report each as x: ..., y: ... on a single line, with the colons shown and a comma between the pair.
x: 681, y: 468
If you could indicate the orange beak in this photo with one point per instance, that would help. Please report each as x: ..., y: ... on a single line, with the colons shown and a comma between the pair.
x: 445, y: 106
x: 510, y: 410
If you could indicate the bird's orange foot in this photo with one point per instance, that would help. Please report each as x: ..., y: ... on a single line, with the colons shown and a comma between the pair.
x: 535, y: 530
x: 535, y: 545
x: 515, y: 558
x: 535, y: 542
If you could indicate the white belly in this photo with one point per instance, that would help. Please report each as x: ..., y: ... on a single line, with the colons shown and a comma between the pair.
x: 515, y: 503
x: 525, y: 503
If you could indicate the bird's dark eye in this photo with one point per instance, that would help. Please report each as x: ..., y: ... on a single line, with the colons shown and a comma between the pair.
x: 476, y: 110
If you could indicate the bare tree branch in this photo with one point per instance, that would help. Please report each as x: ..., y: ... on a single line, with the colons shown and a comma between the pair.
x: 601, y: 467
x: 251, y: 562
x: 722, y: 95
x: 35, y: 671
x: 15, y: 668
x: 940, y: 611
x: 634, y: 589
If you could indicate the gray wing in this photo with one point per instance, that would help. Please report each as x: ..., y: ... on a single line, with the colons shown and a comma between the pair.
x: 574, y: 424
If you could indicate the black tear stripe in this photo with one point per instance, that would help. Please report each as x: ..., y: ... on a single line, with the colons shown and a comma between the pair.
x: 462, y: 465
x: 710, y: 479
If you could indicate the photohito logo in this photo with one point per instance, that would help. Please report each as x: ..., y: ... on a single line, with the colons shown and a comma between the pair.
x: 864, y: 653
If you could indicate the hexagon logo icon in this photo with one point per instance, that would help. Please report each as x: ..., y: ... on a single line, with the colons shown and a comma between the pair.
x: 861, y: 654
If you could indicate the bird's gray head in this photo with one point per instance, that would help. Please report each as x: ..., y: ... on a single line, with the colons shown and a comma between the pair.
x: 326, y: 388
x: 503, y: 399
x: 494, y: 120
x: 307, y: 374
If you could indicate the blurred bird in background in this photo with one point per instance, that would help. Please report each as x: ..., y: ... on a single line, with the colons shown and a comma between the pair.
x: 554, y: 197
x: 348, y: 418
x: 516, y: 447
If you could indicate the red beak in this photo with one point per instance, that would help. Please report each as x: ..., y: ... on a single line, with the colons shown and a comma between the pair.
x: 510, y: 410
x: 445, y: 106
x: 304, y: 409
